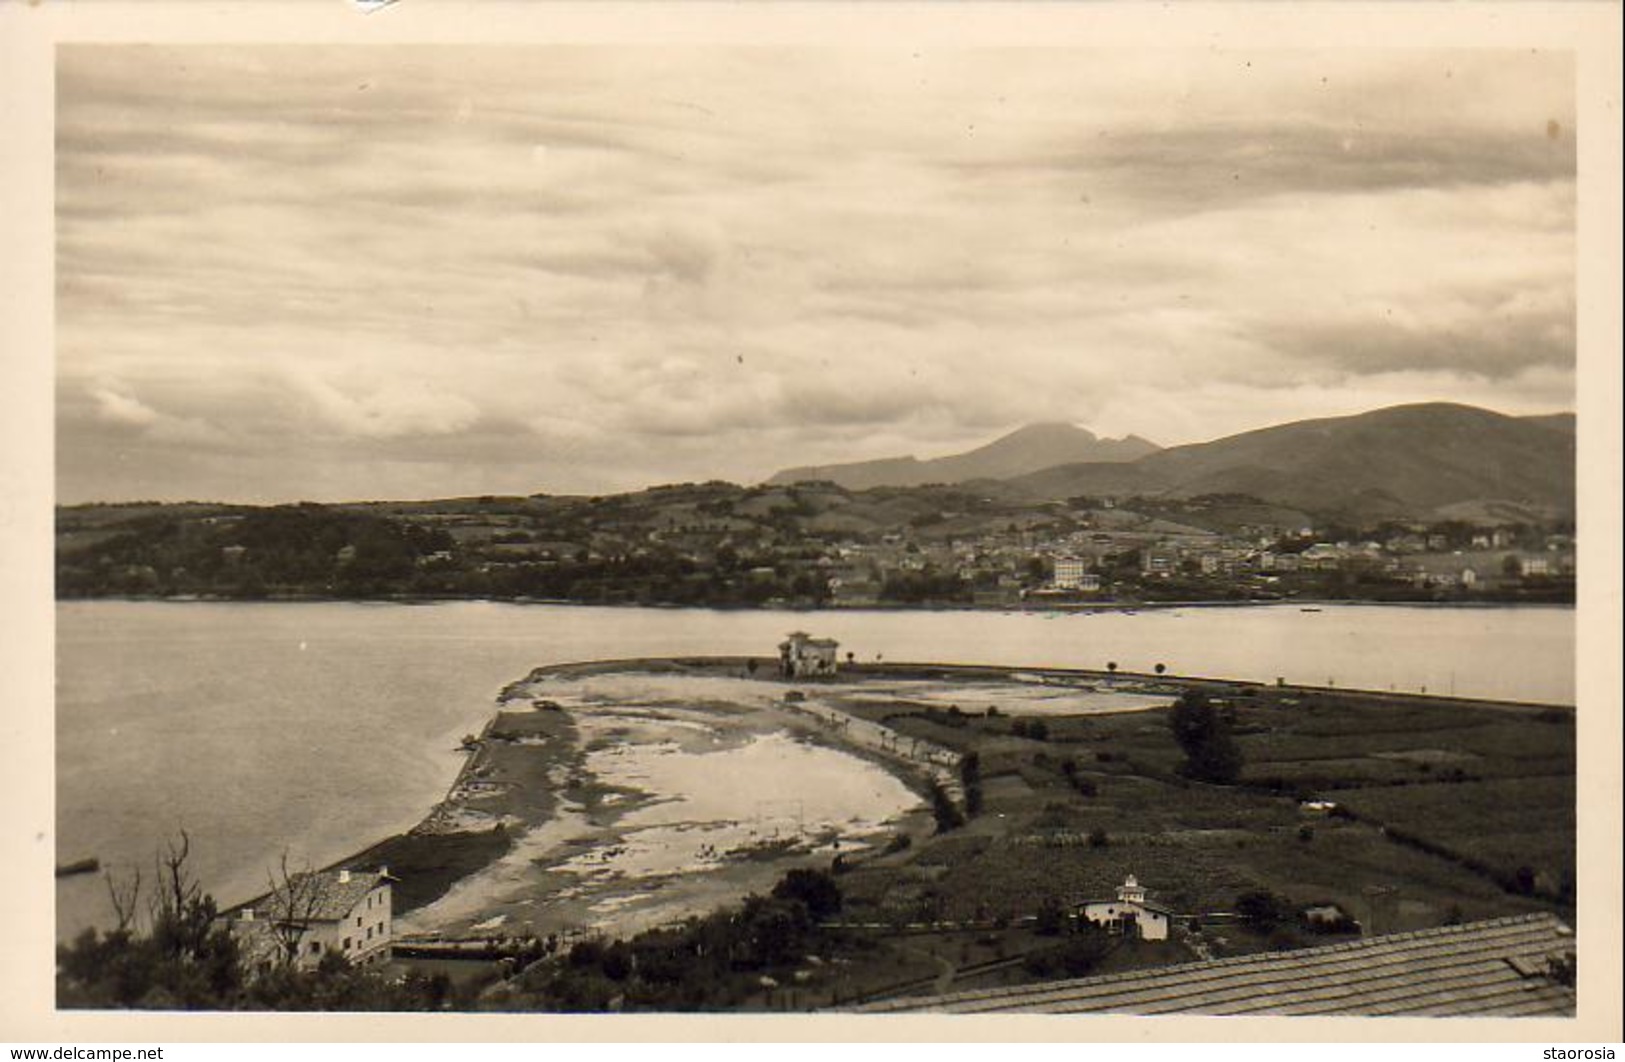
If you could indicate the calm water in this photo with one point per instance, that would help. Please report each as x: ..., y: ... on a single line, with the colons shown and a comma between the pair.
x: 318, y: 728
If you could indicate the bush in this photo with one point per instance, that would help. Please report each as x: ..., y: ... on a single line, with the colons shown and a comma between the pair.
x: 1260, y: 909
x: 1077, y: 957
x: 814, y: 888
x: 1051, y: 919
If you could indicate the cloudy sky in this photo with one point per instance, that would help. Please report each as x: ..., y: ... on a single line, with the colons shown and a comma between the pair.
x: 406, y: 272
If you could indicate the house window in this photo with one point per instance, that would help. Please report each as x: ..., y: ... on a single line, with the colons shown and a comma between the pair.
x: 358, y: 921
x: 346, y: 943
x: 369, y: 932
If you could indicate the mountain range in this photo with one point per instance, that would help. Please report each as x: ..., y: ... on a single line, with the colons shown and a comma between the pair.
x: 1410, y: 460
x: 1028, y: 449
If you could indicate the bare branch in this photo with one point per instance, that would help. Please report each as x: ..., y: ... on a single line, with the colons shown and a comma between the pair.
x: 296, y: 899
x: 124, y: 892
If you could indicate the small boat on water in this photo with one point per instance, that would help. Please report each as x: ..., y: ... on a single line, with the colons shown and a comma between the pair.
x: 78, y: 866
x: 1309, y: 610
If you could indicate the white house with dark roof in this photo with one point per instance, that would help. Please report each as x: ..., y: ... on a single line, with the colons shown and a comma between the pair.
x: 1130, y: 913
x: 347, y: 913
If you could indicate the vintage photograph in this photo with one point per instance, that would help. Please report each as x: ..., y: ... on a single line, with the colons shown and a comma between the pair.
x: 816, y: 529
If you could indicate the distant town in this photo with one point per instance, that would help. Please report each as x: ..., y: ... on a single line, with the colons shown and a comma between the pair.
x: 806, y: 545
x: 1433, y: 502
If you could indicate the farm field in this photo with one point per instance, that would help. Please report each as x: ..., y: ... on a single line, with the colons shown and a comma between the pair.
x: 1489, y: 792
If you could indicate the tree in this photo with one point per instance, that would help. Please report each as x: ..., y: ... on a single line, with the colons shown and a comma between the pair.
x: 774, y: 930
x: 124, y: 894
x: 186, y: 961
x: 1160, y: 668
x: 814, y: 888
x: 182, y: 914
x: 943, y: 810
x: 295, y: 899
x: 1111, y: 666
x: 1051, y: 918
x: 1203, y: 733
x: 1261, y: 909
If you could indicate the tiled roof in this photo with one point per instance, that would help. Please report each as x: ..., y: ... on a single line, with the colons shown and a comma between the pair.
x: 1479, y: 969
x: 335, y: 898
x: 1149, y: 905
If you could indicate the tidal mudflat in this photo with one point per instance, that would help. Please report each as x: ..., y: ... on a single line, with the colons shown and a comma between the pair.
x: 640, y: 794
x: 675, y: 793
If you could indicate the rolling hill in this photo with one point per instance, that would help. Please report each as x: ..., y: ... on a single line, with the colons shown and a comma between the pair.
x: 1400, y: 461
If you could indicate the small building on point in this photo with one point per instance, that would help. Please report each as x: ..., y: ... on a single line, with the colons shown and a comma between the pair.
x: 802, y: 656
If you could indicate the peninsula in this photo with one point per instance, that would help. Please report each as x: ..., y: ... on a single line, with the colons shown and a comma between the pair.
x: 956, y: 805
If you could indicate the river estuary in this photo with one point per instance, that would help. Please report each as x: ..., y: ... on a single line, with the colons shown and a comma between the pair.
x: 318, y: 728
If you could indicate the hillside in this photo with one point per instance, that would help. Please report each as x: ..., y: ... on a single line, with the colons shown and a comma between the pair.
x: 1025, y: 450
x: 1401, y: 461
x: 1563, y: 422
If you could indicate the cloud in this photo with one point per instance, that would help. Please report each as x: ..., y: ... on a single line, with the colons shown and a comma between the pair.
x: 122, y: 409
x: 1206, y: 167
x: 673, y: 263
x: 126, y: 413
x: 390, y: 410
x: 1489, y: 341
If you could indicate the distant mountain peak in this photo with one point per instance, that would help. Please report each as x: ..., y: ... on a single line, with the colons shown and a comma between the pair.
x: 1048, y: 427
x: 1029, y: 448
x: 1407, y: 460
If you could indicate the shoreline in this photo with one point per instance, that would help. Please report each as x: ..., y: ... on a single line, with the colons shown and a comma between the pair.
x: 454, y: 842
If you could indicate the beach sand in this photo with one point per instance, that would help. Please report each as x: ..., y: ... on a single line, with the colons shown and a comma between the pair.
x: 612, y: 797
x: 631, y: 799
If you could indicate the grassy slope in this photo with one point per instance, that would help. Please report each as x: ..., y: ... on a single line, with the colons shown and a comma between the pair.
x: 1200, y: 846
